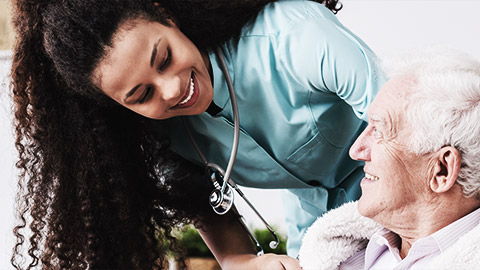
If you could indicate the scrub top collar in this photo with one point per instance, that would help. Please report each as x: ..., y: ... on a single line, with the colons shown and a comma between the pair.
x: 220, y: 89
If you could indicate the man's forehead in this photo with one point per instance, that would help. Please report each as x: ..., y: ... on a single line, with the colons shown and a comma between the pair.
x: 379, y: 108
x: 377, y: 117
x: 399, y: 86
x: 391, y: 100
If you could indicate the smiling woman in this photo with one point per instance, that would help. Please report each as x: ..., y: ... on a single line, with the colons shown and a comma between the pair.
x: 95, y: 186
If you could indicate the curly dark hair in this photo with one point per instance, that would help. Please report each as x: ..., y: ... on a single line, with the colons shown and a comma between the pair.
x: 96, y: 189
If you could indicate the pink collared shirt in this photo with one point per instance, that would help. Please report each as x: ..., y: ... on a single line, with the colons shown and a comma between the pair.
x: 382, y: 251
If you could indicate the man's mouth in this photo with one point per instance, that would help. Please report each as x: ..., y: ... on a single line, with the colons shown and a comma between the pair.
x: 371, y: 177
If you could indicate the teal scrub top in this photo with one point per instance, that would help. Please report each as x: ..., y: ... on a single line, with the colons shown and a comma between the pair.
x: 303, y: 83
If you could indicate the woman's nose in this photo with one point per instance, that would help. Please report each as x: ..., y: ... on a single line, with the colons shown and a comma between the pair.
x: 170, y: 88
x: 360, y: 149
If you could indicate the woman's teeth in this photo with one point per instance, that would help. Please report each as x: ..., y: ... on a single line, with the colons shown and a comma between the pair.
x: 371, y: 177
x: 190, y: 94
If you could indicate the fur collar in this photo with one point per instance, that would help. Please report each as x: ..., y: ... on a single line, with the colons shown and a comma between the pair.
x: 340, y: 233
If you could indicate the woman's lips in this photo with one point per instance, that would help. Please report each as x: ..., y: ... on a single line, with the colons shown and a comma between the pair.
x: 191, y: 96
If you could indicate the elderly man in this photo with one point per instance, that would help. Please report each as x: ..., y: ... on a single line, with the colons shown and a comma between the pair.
x: 420, y: 207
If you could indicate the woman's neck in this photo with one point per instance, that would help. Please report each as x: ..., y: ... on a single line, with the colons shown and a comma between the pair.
x: 206, y: 60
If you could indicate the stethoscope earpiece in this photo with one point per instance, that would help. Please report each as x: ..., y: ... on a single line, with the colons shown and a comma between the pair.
x: 273, y: 244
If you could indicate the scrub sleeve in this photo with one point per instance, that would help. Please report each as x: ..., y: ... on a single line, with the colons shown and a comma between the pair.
x: 345, y: 66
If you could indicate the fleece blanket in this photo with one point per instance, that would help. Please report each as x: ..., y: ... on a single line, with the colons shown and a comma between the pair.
x: 342, y: 232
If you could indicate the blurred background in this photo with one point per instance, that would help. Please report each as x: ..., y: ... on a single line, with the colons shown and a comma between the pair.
x: 387, y: 26
x: 6, y: 33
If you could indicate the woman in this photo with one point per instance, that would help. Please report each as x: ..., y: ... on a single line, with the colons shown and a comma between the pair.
x: 99, y: 181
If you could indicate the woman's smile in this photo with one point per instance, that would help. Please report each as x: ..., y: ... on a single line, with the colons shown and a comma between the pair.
x: 191, y: 95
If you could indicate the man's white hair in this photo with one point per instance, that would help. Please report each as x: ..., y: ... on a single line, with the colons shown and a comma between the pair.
x: 444, y: 106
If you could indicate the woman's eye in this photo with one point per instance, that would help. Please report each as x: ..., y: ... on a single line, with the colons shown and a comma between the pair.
x: 166, y: 61
x: 145, y: 95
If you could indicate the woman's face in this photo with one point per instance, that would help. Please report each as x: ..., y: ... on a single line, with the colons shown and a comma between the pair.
x: 156, y: 71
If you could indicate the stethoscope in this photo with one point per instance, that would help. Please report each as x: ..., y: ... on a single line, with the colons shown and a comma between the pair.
x: 222, y: 197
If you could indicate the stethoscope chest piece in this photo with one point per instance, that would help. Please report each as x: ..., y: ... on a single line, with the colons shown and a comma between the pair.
x: 221, y: 202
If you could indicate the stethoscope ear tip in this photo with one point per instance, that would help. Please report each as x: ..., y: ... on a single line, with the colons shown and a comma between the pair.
x: 273, y: 244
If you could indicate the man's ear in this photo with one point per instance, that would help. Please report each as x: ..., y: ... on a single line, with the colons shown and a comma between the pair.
x: 446, y: 168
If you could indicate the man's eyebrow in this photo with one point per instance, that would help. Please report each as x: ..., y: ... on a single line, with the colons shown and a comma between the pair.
x: 131, y: 92
x: 378, y: 119
x: 154, y: 52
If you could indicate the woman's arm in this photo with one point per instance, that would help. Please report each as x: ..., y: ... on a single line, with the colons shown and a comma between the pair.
x: 233, y: 249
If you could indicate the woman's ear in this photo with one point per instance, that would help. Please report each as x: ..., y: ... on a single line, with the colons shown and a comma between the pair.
x: 170, y: 18
x: 445, y: 169
x: 172, y: 22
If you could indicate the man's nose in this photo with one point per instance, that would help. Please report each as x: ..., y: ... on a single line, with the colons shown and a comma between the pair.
x: 360, y: 149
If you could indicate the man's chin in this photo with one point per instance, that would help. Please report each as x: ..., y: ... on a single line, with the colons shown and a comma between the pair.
x: 365, y: 208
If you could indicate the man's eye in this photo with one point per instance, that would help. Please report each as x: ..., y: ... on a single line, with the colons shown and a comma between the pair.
x: 145, y: 95
x: 377, y: 133
x: 166, y: 61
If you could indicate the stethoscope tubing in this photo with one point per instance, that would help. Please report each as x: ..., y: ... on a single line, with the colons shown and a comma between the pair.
x: 236, y: 120
x: 226, y: 173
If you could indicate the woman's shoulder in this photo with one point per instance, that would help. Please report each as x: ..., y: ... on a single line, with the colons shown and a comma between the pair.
x: 280, y: 16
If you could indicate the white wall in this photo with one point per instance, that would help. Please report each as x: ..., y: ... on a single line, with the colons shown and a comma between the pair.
x: 386, y: 25
x: 391, y: 25
x: 7, y: 175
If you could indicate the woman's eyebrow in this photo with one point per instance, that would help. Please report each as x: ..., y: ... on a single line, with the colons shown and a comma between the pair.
x: 131, y: 92
x: 154, y: 52
x: 152, y: 60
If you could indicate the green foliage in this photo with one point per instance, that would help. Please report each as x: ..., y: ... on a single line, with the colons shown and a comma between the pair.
x: 192, y: 242
x: 190, y: 239
x: 264, y: 237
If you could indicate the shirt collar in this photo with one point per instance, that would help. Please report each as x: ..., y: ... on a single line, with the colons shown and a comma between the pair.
x: 379, y: 242
x: 438, y: 241
x: 446, y: 236
x: 220, y: 89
